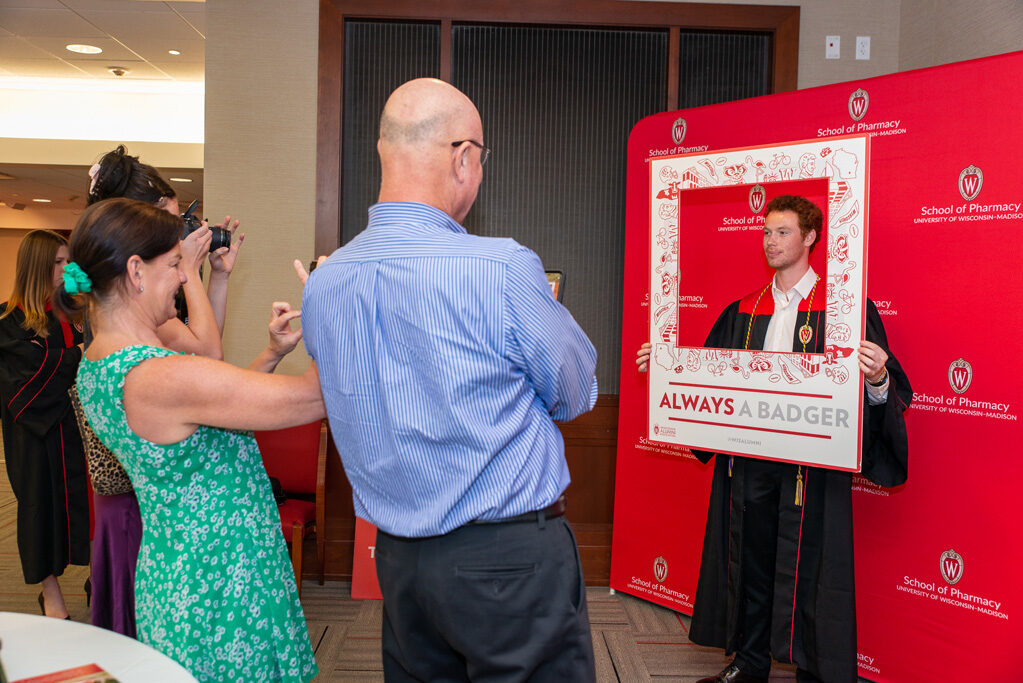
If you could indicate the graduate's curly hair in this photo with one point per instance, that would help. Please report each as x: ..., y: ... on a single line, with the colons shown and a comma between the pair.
x: 809, y: 214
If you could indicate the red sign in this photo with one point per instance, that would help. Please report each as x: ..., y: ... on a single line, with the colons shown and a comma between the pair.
x: 934, y: 556
x: 365, y: 585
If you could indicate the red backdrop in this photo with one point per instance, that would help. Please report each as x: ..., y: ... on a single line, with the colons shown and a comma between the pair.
x: 936, y: 558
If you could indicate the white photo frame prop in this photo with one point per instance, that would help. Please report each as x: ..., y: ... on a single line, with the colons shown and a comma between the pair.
x: 793, y: 407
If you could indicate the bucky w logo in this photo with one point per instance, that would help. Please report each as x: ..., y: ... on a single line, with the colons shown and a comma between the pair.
x: 660, y: 569
x: 678, y: 131
x: 951, y: 566
x: 858, y: 103
x: 960, y: 375
x: 757, y: 198
x: 970, y: 181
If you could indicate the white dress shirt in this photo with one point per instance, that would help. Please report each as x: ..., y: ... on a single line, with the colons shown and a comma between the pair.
x: 782, y: 328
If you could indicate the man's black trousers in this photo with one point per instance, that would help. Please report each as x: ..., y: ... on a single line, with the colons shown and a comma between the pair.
x: 485, y: 602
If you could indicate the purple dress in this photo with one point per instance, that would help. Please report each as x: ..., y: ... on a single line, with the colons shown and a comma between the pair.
x: 115, y: 551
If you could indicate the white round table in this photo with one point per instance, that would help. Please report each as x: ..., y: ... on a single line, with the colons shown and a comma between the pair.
x: 36, y: 645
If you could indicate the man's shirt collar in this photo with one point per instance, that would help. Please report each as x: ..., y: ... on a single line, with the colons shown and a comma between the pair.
x: 404, y: 213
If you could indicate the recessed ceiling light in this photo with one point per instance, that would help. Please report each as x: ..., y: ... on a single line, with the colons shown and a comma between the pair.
x: 174, y: 52
x: 181, y: 180
x: 84, y: 49
x: 42, y: 201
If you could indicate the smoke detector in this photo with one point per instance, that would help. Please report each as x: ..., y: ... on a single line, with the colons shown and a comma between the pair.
x: 118, y: 70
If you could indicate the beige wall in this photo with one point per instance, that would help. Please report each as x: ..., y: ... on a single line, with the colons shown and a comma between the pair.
x: 934, y: 32
x: 9, y: 241
x: 847, y: 19
x: 260, y: 154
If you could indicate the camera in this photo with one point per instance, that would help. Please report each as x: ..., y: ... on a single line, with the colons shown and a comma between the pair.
x: 221, y: 236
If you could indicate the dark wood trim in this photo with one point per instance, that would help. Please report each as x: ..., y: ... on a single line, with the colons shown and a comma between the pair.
x: 576, y: 12
x: 446, y: 63
x: 785, y: 54
x: 327, y: 235
x: 674, y: 44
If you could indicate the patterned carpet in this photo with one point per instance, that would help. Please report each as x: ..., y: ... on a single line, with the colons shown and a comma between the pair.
x: 633, y: 640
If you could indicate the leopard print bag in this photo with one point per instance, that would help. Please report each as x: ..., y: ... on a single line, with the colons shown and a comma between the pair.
x: 107, y: 476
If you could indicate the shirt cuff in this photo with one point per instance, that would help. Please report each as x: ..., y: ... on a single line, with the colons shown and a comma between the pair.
x: 877, y: 395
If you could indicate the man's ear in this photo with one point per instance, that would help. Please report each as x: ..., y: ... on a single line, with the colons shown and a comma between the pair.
x: 460, y: 162
x: 810, y: 238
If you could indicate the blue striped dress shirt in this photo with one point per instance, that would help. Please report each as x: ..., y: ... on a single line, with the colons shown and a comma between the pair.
x: 444, y: 359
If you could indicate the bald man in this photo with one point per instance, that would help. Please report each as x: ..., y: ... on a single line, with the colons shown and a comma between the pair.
x: 444, y: 360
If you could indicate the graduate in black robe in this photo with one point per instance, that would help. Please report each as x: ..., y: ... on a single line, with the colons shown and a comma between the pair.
x: 42, y: 445
x: 776, y: 576
x: 813, y: 618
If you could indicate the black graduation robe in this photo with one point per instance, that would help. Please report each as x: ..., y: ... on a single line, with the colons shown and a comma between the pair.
x: 813, y: 623
x: 42, y: 446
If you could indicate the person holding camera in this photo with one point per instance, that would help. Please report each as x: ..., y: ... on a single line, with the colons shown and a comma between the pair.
x: 39, y: 354
x: 119, y: 175
x: 118, y: 523
x: 214, y: 586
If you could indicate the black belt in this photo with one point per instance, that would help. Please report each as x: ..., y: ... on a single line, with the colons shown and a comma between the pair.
x: 555, y: 509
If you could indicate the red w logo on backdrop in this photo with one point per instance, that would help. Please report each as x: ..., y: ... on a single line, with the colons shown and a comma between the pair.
x: 951, y: 566
x: 970, y: 182
x: 678, y: 131
x: 960, y: 375
x: 660, y: 569
x: 858, y: 103
x: 757, y: 198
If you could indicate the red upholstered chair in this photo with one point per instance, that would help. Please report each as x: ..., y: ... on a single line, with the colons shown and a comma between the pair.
x: 297, y: 456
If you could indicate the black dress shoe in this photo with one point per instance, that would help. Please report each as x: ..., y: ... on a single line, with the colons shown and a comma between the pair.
x: 732, y: 674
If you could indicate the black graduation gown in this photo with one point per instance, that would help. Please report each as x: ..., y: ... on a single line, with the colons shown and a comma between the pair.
x: 42, y: 446
x: 813, y: 623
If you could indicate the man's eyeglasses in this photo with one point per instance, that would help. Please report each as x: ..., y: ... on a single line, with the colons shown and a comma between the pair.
x: 484, y: 151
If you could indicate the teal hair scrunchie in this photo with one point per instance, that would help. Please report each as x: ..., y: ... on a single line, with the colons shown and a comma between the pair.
x: 75, y: 279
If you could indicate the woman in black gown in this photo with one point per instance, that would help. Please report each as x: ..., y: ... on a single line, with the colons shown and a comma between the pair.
x: 39, y: 354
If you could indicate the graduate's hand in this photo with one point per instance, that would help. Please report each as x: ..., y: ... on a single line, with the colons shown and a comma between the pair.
x: 872, y: 359
x: 643, y: 357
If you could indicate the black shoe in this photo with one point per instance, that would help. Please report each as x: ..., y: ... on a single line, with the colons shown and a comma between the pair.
x: 731, y: 674
x: 42, y: 607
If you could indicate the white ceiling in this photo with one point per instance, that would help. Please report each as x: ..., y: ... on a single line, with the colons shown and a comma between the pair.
x: 135, y: 34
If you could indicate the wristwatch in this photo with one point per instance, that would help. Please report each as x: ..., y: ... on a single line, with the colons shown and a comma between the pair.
x: 884, y: 378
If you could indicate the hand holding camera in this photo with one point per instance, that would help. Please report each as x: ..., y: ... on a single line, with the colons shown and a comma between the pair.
x: 195, y: 245
x: 220, y: 237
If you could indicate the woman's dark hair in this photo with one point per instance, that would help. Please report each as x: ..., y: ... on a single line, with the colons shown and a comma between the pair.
x: 120, y: 175
x: 110, y: 232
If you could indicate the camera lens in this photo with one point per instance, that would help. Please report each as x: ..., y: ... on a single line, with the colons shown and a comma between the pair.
x: 221, y: 238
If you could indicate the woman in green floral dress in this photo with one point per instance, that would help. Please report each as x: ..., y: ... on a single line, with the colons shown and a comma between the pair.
x: 214, y: 585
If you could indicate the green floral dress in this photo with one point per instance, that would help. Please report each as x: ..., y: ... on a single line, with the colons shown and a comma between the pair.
x: 214, y: 588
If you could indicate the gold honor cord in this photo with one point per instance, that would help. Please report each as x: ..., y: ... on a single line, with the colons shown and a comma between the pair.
x: 805, y: 335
